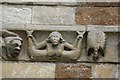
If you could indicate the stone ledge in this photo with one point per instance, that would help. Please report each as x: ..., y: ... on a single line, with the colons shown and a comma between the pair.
x: 13, y: 26
x: 60, y: 27
x: 103, y: 28
x: 55, y: 27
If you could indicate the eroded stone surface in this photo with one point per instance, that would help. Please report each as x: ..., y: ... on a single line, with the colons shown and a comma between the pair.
x: 105, y: 71
x: 53, y: 15
x: 66, y: 70
x: 28, y: 70
x: 97, y: 15
x: 112, y: 39
x: 12, y: 14
x: 111, y: 54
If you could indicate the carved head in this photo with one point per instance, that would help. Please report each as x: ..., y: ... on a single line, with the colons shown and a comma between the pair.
x: 55, y: 38
x: 13, y: 46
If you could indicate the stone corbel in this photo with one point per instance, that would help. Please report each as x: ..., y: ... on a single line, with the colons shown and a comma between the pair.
x: 10, y: 44
x: 54, y: 48
x: 95, y: 45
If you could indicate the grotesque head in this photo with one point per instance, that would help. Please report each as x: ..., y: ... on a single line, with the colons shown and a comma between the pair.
x: 13, y: 46
x: 55, y: 38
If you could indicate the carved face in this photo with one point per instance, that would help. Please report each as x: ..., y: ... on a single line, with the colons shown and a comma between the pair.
x: 55, y: 39
x: 15, y: 47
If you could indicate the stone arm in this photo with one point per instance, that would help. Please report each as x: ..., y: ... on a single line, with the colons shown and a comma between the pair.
x: 37, y: 45
x: 78, y: 39
x: 41, y: 45
x: 69, y: 46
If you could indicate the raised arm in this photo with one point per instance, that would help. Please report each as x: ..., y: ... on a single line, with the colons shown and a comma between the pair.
x: 29, y: 34
x: 37, y: 45
x: 79, y: 38
x: 69, y: 46
x: 40, y: 45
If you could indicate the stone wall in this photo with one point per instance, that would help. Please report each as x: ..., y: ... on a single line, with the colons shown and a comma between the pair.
x: 45, y: 17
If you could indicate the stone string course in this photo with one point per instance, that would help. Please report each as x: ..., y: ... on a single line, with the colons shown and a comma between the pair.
x: 49, y: 17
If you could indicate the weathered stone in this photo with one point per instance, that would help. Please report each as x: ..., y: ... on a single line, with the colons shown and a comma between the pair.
x: 97, y: 15
x: 112, y: 39
x: 0, y: 13
x: 55, y: 27
x: 28, y: 70
x: 95, y: 44
x: 57, y: 15
x: 13, y: 26
x: 66, y: 70
x: 12, y: 14
x: 103, y: 28
x: 105, y: 71
x: 0, y: 69
x: 111, y: 54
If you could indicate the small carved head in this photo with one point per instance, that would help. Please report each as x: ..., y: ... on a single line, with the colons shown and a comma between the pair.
x: 55, y: 38
x: 13, y: 46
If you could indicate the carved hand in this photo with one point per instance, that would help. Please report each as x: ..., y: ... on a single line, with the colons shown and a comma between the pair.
x: 29, y: 32
x: 80, y: 34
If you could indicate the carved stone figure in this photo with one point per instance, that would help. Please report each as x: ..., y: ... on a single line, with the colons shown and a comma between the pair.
x: 10, y: 44
x: 54, y: 47
x: 95, y: 44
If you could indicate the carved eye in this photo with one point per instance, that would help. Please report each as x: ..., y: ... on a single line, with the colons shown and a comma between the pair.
x: 15, y: 45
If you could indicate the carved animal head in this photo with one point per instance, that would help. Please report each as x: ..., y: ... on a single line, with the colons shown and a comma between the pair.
x: 55, y: 38
x: 13, y: 46
x: 95, y: 44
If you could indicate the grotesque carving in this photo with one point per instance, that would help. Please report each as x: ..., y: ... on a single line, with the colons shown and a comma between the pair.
x: 10, y: 44
x: 54, y: 47
x: 95, y: 44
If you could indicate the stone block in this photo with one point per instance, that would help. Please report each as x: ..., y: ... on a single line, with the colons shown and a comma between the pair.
x: 104, y: 71
x: 53, y: 15
x: 111, y: 54
x: 72, y: 70
x: 12, y: 14
x: 97, y: 15
x: 28, y: 70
